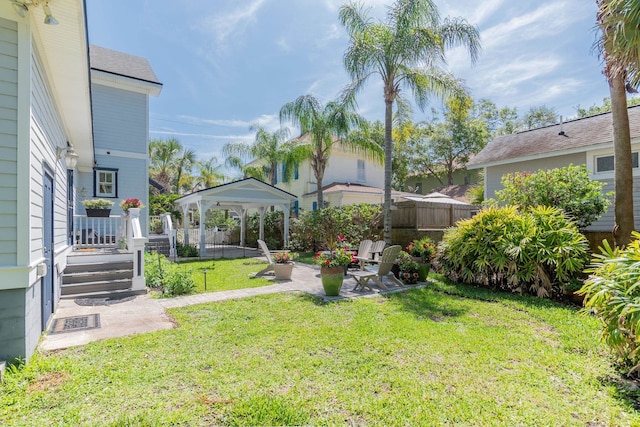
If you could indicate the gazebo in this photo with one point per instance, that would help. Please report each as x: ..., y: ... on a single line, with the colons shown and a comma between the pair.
x: 238, y: 196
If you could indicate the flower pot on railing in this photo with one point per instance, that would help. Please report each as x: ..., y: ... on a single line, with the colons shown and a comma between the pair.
x: 98, y: 213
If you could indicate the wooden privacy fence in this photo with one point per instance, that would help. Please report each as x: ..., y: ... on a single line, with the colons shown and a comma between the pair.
x: 430, y: 215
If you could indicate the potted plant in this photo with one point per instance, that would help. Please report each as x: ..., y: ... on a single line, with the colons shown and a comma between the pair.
x: 332, y: 264
x: 131, y: 203
x: 408, y: 268
x: 283, y: 265
x: 422, y: 251
x: 156, y: 225
x: 98, y: 207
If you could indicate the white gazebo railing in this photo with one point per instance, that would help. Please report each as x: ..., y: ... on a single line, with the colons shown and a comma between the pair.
x: 212, y: 236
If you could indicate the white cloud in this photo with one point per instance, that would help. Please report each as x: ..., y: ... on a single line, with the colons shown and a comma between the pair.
x: 222, y: 26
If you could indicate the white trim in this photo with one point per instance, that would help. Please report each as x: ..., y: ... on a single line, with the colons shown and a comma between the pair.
x: 125, y: 154
x: 23, y: 149
x: 592, y: 155
x: 113, y: 183
x: 20, y: 276
x: 125, y: 83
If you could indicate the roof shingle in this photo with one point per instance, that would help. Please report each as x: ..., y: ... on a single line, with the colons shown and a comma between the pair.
x: 578, y: 135
x: 122, y: 64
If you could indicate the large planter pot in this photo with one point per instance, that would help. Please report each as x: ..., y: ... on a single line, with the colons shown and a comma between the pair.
x: 332, y: 278
x: 98, y: 213
x: 423, y: 271
x: 283, y: 271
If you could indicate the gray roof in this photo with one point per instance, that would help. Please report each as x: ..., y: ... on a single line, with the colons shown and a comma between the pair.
x: 579, y: 135
x: 122, y: 64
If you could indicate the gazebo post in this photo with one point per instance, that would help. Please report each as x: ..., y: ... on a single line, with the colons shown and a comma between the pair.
x: 261, y: 211
x: 185, y: 223
x: 203, y: 242
x: 285, y: 238
x: 243, y: 226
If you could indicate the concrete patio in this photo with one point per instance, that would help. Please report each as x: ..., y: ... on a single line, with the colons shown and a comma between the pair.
x: 143, y: 313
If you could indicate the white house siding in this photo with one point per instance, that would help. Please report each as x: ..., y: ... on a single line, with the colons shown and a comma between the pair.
x: 120, y: 125
x: 8, y: 142
x: 342, y: 167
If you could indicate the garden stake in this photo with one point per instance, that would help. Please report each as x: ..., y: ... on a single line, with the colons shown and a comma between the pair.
x: 205, y: 279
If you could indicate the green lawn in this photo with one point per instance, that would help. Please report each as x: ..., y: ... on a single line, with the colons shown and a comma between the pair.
x: 225, y: 274
x: 444, y: 355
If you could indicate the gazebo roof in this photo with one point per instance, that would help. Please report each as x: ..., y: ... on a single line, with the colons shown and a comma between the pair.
x: 247, y: 193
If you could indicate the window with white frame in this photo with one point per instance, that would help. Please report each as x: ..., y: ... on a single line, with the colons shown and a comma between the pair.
x: 361, y: 171
x: 606, y: 163
x: 105, y: 182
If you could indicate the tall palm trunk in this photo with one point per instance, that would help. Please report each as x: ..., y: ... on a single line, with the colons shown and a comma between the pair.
x: 623, y: 171
x: 388, y: 151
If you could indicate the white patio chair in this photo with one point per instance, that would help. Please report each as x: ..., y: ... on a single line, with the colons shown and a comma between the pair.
x: 364, y: 252
x: 379, y: 272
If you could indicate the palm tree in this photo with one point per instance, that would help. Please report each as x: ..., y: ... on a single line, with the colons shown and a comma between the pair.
x: 619, y: 22
x: 269, y: 148
x: 209, y: 173
x: 163, y: 154
x: 183, y: 166
x: 406, y: 50
x: 322, y: 126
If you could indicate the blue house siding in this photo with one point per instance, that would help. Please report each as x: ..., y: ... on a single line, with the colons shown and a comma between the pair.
x: 120, y: 140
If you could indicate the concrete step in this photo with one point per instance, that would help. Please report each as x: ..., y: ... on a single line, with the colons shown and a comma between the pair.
x: 104, y: 286
x: 98, y: 266
x: 95, y: 276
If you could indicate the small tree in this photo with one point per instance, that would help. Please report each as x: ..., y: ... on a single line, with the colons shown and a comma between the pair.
x: 568, y: 188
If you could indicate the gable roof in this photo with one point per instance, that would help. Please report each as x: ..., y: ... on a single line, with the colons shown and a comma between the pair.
x: 122, y: 64
x: 248, y: 193
x: 578, y: 136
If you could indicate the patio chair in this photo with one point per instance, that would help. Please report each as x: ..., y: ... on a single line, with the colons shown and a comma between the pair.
x: 377, y: 273
x: 374, y: 253
x: 364, y: 252
x: 267, y: 253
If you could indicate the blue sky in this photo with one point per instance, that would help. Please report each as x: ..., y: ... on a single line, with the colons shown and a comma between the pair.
x: 226, y: 64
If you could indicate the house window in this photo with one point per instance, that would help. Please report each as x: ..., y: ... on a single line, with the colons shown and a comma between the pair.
x: 105, y: 182
x: 361, y: 174
x: 606, y: 163
x: 275, y: 175
x: 418, y: 187
x: 295, y: 173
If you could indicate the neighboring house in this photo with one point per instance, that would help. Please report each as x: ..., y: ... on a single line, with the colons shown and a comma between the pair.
x: 342, y: 167
x: 586, y: 141
x: 346, y: 193
x: 56, y: 109
x: 420, y: 184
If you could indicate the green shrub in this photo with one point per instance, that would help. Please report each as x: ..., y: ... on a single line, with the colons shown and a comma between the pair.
x: 568, y: 188
x: 315, y: 230
x: 186, y: 251
x: 613, y: 293
x: 166, y: 277
x: 273, y: 229
x: 178, y: 282
x: 528, y: 252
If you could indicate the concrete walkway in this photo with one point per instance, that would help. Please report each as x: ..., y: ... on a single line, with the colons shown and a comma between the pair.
x: 145, y: 314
